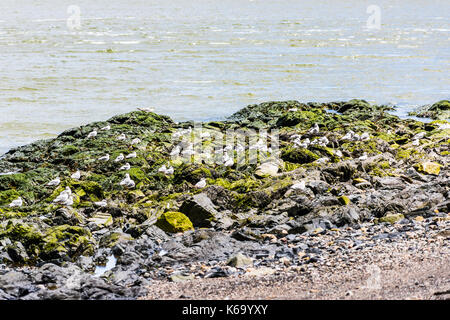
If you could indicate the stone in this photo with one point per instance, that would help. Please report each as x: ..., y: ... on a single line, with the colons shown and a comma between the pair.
x: 239, y: 260
x: 174, y: 222
x: 344, y: 200
x: 431, y: 168
x: 267, y: 169
x: 200, y: 210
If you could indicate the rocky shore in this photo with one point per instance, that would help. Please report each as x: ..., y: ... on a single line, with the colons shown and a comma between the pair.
x: 139, y: 206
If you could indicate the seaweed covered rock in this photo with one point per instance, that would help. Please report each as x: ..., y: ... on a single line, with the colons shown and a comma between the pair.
x: 439, y: 111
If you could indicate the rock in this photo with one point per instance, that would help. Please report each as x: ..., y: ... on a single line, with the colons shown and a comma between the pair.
x: 391, y: 218
x: 101, y: 219
x: 200, y: 210
x: 239, y: 260
x: 174, y: 222
x: 17, y: 252
x: 267, y: 169
x: 344, y: 200
x: 428, y: 168
x: 181, y: 276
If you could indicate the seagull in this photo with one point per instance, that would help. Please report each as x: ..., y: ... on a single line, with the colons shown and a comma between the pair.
x: 76, y: 175
x: 315, y: 129
x: 338, y: 153
x: 135, y: 141
x: 131, y: 155
x: 119, y: 158
x: 108, y: 127
x: 420, y: 135
x: 151, y: 109
x: 121, y: 137
x: 16, y: 203
x: 92, y: 134
x: 54, y: 182
x: 201, y: 184
x: 102, y: 203
x: 365, y: 136
x: 127, y: 182
x: 126, y: 166
x: 348, y: 135
x: 227, y: 160
x: 65, y: 197
x: 363, y: 157
x: 293, y: 109
x: 104, y: 158
x: 175, y: 151
x: 299, y: 186
x: 165, y: 170
x: 322, y: 160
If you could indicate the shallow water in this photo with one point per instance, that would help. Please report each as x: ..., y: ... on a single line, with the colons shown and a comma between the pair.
x: 206, y: 59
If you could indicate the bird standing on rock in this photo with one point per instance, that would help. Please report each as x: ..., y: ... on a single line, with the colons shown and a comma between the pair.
x: 76, y: 175
x: 126, y: 166
x: 315, y: 129
x: 92, y: 134
x: 121, y: 137
x: 106, y: 128
x: 65, y: 197
x: 119, y: 158
x: 201, y: 184
x: 131, y: 155
x: 102, y: 203
x: 104, y: 158
x: 16, y: 203
x: 127, y: 182
x: 55, y: 182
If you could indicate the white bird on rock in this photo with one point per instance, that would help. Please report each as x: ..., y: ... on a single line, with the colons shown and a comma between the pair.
x: 315, y: 129
x: 299, y: 185
x: 55, y: 182
x: 151, y: 109
x: 16, y: 203
x: 135, y: 141
x: 92, y: 134
x: 365, y: 136
x: 76, y: 175
x: 126, y: 166
x: 348, y: 135
x: 106, y: 128
x: 363, y: 157
x: 65, y: 197
x: 104, y: 158
x: 119, y: 158
x: 201, y: 184
x: 121, y: 137
x: 102, y: 203
x: 127, y: 182
x: 131, y: 155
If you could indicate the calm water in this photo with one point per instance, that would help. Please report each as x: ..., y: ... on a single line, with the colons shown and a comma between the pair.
x: 206, y: 59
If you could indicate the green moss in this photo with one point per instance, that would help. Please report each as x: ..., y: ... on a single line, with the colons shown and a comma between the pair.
x: 68, y: 239
x: 344, y: 200
x: 69, y: 150
x: 390, y: 218
x: 6, y: 197
x: 174, y: 222
x: 298, y: 155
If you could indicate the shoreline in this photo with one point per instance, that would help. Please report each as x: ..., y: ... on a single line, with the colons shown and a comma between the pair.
x: 321, y: 187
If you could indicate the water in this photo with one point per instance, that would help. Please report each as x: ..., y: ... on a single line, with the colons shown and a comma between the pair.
x: 204, y: 60
x: 110, y: 264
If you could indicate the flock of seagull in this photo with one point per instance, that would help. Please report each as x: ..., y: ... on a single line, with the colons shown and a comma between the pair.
x: 65, y: 197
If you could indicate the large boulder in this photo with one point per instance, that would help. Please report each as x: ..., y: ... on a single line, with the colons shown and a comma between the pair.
x: 200, y: 210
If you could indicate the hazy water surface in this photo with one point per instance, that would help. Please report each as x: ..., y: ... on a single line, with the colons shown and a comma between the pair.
x: 206, y: 59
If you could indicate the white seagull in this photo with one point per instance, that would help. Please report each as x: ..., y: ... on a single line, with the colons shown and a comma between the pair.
x: 55, y: 182
x: 104, y: 158
x: 102, y: 203
x: 76, y: 175
x: 135, y: 141
x: 92, y: 134
x: 119, y: 158
x: 127, y: 182
x: 131, y: 155
x: 201, y: 184
x: 16, y: 203
x: 121, y: 137
x: 108, y: 127
x: 126, y: 166
x: 151, y: 109
x: 315, y: 129
x: 65, y: 197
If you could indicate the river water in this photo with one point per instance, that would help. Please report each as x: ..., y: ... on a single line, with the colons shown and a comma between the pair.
x: 203, y: 60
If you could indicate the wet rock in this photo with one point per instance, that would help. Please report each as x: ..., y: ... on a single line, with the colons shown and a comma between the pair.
x: 200, y: 210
